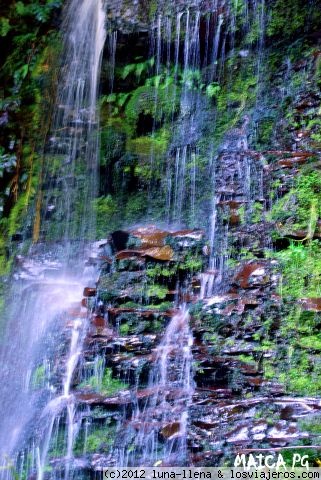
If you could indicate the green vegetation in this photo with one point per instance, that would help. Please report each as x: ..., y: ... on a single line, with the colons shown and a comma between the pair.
x: 301, y: 207
x: 124, y: 329
x: 301, y: 270
x: 107, y: 385
x: 30, y: 48
x: 106, y: 210
x: 157, y: 291
x: 312, y: 455
x: 99, y: 440
x: 288, y: 18
x: 157, y: 271
x: 38, y: 377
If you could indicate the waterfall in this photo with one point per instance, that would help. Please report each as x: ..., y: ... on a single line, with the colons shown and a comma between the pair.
x: 236, y: 173
x: 73, y: 142
x: 165, y: 412
x: 49, y: 281
x: 206, y: 176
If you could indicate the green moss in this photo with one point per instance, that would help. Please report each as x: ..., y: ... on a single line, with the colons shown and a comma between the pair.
x: 124, y: 329
x: 98, y: 441
x: 136, y: 207
x: 311, y: 455
x: 106, y: 211
x: 162, y: 307
x: 269, y: 371
x: 237, y: 95
x: 301, y: 207
x: 257, y: 212
x: 17, y: 214
x: 107, y: 385
x: 289, y: 17
x: 191, y: 263
x: 161, y: 271
x: 301, y: 270
x: 311, y: 342
x: 157, y: 291
x: 147, y: 146
x: 301, y: 382
x: 38, y: 377
x: 241, y: 213
x: 159, y: 103
x: 246, y: 359
x: 212, y: 90
x: 310, y: 424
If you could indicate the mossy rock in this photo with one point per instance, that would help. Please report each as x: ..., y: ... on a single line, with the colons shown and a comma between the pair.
x: 149, y: 145
x: 158, y: 103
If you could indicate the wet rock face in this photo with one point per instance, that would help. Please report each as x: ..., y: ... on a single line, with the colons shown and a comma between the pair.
x: 243, y: 344
x: 234, y: 404
x: 128, y: 16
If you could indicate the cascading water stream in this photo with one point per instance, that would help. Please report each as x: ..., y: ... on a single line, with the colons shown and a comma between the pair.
x: 165, y: 412
x: 51, y: 279
x: 73, y: 140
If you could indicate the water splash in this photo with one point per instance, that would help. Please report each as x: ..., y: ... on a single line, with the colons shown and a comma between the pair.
x: 51, y: 279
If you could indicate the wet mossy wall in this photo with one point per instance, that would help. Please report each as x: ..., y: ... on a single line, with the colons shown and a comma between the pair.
x: 141, y: 115
x: 154, y: 110
x: 157, y: 114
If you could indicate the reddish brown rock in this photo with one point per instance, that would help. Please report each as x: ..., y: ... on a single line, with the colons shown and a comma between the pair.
x: 89, y: 292
x: 292, y: 162
x: 84, y: 302
x: 254, y: 381
x: 165, y: 253
x: 127, y: 254
x: 235, y: 219
x: 171, y: 430
x: 302, y: 234
x: 245, y: 273
x: 290, y: 153
x: 311, y: 304
x: 244, y: 303
x: 233, y: 204
x: 205, y: 425
x: 146, y: 392
x: 150, y: 236
x: 92, y: 398
x: 98, y: 321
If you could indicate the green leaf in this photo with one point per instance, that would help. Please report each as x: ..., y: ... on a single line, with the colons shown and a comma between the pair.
x: 212, y: 90
x: 5, y: 26
x: 128, y: 70
x: 168, y: 81
x: 24, y: 71
x: 140, y: 67
x: 110, y: 98
x: 122, y: 97
x: 21, y: 8
x: 157, y: 80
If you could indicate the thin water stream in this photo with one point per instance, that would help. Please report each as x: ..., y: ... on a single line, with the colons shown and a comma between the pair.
x: 165, y: 412
x: 51, y: 279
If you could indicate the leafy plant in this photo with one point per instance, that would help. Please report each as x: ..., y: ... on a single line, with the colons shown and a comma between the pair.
x: 137, y: 69
x: 158, y: 291
x: 212, y: 90
x: 107, y: 385
x: 301, y: 270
